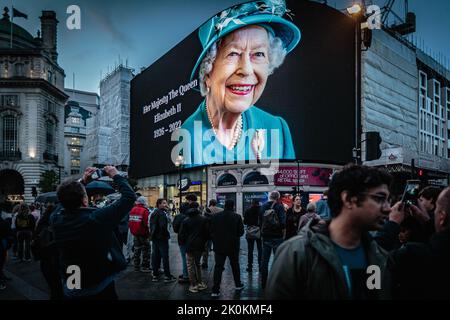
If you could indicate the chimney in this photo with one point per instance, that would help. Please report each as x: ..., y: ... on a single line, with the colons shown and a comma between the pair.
x: 48, y: 27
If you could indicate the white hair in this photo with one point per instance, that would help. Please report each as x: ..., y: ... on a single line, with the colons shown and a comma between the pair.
x: 274, y: 195
x: 277, y: 53
x: 311, y: 207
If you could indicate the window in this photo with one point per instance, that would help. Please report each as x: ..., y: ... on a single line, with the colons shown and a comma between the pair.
x: 432, y: 120
x: 75, y: 162
x: 50, y: 137
x: 9, y: 134
x: 74, y: 171
x: 50, y: 107
x: 75, y: 141
x: 75, y: 152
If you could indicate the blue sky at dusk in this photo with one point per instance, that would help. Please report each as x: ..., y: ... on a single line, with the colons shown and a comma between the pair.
x: 142, y: 31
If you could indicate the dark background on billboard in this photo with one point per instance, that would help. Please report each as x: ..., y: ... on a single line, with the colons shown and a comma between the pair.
x: 314, y: 91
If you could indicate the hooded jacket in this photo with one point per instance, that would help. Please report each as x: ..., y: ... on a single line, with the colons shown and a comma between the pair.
x: 138, y: 221
x: 308, y: 267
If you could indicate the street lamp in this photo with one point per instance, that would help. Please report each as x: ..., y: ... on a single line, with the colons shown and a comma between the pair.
x: 356, y: 11
x: 179, y: 165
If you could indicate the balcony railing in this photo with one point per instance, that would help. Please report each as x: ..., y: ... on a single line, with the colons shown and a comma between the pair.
x: 50, y: 157
x: 10, y: 155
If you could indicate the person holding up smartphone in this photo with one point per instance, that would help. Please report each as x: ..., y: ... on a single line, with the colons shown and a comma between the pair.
x: 84, y: 237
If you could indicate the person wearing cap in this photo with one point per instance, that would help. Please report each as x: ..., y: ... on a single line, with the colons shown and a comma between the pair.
x: 242, y: 46
x: 138, y: 224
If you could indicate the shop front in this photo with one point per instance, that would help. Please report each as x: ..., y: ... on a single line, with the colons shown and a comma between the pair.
x: 168, y: 186
x: 245, y: 183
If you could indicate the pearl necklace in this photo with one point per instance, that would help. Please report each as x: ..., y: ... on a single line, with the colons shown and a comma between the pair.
x: 237, y: 130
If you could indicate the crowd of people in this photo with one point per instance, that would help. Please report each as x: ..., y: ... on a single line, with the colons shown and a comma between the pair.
x: 322, y: 251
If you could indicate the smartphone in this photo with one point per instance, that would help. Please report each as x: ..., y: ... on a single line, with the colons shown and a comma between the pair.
x: 97, y: 174
x: 411, y: 193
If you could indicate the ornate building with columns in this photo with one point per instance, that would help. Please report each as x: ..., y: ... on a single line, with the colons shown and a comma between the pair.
x: 32, y: 102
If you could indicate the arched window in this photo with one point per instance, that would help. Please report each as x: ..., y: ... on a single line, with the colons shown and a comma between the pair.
x: 10, y: 144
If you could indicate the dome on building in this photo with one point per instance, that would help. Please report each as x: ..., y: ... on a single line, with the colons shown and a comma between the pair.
x: 21, y: 37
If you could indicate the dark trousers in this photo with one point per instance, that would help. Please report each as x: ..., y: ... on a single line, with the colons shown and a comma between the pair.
x: 269, y: 246
x: 219, y: 267
x: 160, y: 251
x: 24, y: 241
x: 251, y: 247
x: 49, y: 268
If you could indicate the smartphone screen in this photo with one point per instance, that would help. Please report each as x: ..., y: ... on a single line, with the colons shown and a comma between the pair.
x: 411, y: 193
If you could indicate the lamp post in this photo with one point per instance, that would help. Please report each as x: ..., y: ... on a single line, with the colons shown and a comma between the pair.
x: 356, y: 11
x: 179, y: 165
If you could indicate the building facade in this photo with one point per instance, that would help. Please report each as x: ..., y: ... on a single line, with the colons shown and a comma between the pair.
x: 79, y: 110
x: 32, y: 102
x: 405, y: 97
x: 108, y: 133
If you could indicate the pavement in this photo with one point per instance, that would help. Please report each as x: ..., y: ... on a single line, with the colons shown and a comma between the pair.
x: 28, y: 283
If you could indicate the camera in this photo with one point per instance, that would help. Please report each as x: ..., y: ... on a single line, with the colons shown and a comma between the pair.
x: 97, y: 174
x: 411, y: 193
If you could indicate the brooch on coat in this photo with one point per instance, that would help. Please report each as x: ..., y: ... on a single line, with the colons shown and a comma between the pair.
x: 258, y: 142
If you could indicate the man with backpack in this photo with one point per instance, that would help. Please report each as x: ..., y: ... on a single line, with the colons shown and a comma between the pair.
x: 139, y: 228
x: 25, y: 225
x: 273, y: 230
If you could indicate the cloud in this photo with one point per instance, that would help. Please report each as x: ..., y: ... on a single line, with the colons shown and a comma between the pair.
x: 107, y: 24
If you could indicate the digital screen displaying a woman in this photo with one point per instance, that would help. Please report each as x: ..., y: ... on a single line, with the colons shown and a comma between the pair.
x: 242, y: 46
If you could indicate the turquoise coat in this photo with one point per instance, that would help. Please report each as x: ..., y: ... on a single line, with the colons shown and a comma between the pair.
x: 198, y: 137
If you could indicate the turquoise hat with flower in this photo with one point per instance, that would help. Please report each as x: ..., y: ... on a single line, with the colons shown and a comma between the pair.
x: 267, y: 13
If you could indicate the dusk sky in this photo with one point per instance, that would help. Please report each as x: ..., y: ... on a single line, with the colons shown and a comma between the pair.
x: 143, y: 31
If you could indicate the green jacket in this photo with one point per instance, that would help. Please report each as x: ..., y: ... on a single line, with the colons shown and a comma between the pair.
x: 308, y: 267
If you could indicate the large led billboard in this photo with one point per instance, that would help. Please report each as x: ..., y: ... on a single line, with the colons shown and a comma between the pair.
x: 260, y: 81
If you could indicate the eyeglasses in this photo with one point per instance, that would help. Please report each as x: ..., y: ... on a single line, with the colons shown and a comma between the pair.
x: 379, y: 198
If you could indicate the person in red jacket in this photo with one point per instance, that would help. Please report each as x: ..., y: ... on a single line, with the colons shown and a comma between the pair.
x: 139, y: 228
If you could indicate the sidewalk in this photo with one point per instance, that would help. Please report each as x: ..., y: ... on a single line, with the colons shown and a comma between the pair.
x: 29, y: 284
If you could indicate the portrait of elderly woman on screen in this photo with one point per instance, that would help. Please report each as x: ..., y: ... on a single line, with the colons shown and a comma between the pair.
x: 242, y: 46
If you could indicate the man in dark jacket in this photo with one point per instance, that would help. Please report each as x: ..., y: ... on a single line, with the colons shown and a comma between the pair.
x: 251, y: 220
x: 209, y: 212
x: 194, y: 233
x: 85, y: 238
x: 334, y: 261
x: 190, y: 198
x: 226, y: 230
x: 159, y: 223
x: 421, y: 271
x: 273, y: 231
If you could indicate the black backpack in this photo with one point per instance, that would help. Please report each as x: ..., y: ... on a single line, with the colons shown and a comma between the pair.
x: 270, y: 221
